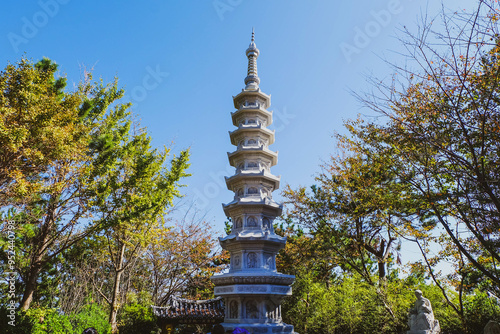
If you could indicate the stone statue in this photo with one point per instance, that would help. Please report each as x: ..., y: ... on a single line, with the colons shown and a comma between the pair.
x: 233, y: 310
x: 252, y: 310
x: 421, y: 318
x: 252, y: 260
x: 492, y: 327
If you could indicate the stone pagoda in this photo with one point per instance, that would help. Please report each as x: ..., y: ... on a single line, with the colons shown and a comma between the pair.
x: 252, y: 289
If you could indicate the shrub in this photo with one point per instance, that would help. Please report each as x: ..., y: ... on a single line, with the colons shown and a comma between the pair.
x: 135, y: 318
x: 350, y: 305
x: 92, y: 315
x: 21, y: 321
x: 42, y: 321
x: 478, y: 310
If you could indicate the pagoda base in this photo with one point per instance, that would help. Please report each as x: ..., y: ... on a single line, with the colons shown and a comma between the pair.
x: 261, y: 328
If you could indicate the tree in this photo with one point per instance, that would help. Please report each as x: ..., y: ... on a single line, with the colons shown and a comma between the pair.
x: 435, y: 159
x: 71, y: 167
x: 428, y: 169
x: 442, y: 133
x: 37, y: 127
x: 53, y: 159
x: 346, y: 210
x: 132, y: 198
x: 183, y: 257
x: 173, y: 257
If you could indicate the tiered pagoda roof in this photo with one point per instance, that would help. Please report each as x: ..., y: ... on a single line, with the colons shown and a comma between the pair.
x: 252, y: 288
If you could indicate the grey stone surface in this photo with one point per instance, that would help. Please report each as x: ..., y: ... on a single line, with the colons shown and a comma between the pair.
x: 421, y: 317
x: 492, y: 327
x: 252, y: 288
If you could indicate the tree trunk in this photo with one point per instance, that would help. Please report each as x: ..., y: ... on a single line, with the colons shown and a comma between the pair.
x: 35, y: 267
x: 381, y: 270
x: 115, y: 301
x: 30, y: 287
x: 115, y: 305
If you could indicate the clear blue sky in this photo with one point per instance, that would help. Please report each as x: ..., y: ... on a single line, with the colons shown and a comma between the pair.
x: 181, y: 62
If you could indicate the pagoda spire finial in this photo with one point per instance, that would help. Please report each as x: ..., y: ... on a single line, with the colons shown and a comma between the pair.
x: 252, y: 80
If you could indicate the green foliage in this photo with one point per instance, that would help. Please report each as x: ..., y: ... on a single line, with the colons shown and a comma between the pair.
x: 22, y: 323
x: 48, y: 320
x: 353, y: 210
x: 135, y: 318
x: 427, y: 172
x: 91, y: 315
x: 330, y: 299
x: 479, y: 309
x: 74, y: 154
x: 133, y: 196
x: 441, y: 141
x: 47, y: 181
x: 350, y: 305
x: 37, y: 127
x: 42, y: 321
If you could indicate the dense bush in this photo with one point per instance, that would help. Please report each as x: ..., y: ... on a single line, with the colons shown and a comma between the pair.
x: 479, y: 309
x: 136, y: 317
x: 40, y: 320
x: 350, y: 305
x: 92, y: 315
x: 21, y: 321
